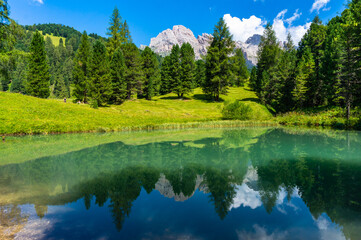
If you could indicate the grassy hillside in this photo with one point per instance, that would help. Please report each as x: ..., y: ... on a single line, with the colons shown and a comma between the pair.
x: 54, y: 39
x: 23, y: 114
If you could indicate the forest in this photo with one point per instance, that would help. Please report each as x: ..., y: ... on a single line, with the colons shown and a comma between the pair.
x: 323, y: 72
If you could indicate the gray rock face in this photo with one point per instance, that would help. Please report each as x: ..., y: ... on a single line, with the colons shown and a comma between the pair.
x: 164, y: 42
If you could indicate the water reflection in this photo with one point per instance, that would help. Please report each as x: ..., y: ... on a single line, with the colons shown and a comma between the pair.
x: 258, y: 182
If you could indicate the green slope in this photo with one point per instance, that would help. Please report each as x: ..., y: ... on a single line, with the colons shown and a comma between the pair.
x: 23, y: 114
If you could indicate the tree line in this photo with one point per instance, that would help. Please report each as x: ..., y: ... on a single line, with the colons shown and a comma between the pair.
x: 325, y: 69
x: 103, y: 71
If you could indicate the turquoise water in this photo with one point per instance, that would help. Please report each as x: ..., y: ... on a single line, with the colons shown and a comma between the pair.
x: 255, y: 183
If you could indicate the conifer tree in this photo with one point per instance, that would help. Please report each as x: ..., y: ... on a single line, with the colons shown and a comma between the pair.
x: 239, y: 69
x: 151, y: 73
x: 38, y: 79
x: 174, y: 68
x: 187, y: 68
x: 200, y: 75
x: 80, y: 70
x: 268, y: 56
x: 304, y: 72
x: 166, y: 76
x: 314, y: 40
x: 117, y: 73
x: 18, y: 84
x: 133, y: 71
x: 125, y: 33
x: 60, y: 90
x: 100, y: 85
x: 114, y: 32
x: 218, y: 67
x: 253, y: 79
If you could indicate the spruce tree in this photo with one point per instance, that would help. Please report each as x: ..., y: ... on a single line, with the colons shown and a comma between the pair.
x: 133, y: 69
x: 18, y: 84
x: 151, y: 72
x: 268, y: 56
x: 38, y: 79
x: 253, y: 79
x: 174, y: 68
x: 80, y: 70
x: 200, y: 75
x: 60, y: 90
x: 166, y: 76
x: 125, y: 33
x: 117, y: 74
x: 218, y: 67
x: 114, y: 32
x: 187, y: 68
x: 314, y: 40
x: 100, y: 85
x: 239, y: 69
x: 304, y: 72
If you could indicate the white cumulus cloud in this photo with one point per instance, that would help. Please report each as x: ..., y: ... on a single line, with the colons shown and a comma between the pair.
x: 245, y: 28
x: 39, y: 1
x: 242, y: 29
x: 319, y: 4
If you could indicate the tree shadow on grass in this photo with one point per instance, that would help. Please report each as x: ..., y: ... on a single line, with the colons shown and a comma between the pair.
x: 256, y: 100
x: 206, y: 98
x: 175, y: 98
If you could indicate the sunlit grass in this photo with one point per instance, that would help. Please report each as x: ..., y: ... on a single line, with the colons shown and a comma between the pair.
x: 21, y: 114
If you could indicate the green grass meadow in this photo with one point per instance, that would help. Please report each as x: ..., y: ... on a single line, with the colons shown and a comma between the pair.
x: 21, y: 114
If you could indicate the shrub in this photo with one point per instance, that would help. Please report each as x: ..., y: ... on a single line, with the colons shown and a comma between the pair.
x: 236, y: 111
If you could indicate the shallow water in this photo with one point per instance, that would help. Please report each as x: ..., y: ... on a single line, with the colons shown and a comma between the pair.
x: 252, y: 183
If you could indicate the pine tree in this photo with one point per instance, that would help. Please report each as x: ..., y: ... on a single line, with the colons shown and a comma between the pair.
x: 166, y: 76
x: 314, y: 40
x: 283, y: 79
x: 200, y: 75
x: 125, y: 33
x: 239, y: 69
x: 253, y: 79
x: 100, y: 85
x: 151, y: 73
x: 174, y: 68
x: 80, y: 70
x: 18, y: 84
x: 38, y: 79
x: 114, y: 32
x: 60, y: 90
x: 117, y: 73
x: 218, y: 67
x: 304, y: 72
x: 268, y: 56
x: 133, y: 71
x: 187, y: 68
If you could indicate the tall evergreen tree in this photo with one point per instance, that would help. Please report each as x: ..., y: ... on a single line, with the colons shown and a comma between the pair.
x: 114, y: 32
x: 218, y: 67
x: 187, y: 68
x: 125, y: 32
x: 200, y: 75
x: 117, y: 73
x: 60, y: 90
x: 253, y: 79
x: 239, y: 69
x: 80, y: 70
x: 151, y: 73
x: 100, y: 85
x: 18, y: 84
x: 174, y: 68
x: 268, y: 57
x: 38, y: 79
x: 133, y: 71
x: 314, y: 40
x: 304, y: 72
x: 166, y: 76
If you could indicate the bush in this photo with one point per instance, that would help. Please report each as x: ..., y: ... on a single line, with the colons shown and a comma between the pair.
x: 236, y: 111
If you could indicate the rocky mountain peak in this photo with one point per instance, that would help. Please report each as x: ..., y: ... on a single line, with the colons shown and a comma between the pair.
x: 164, y: 42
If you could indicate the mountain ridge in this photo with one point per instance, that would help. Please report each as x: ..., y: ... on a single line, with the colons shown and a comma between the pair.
x: 179, y: 34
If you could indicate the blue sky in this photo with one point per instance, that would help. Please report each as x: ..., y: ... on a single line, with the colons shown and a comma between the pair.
x: 148, y: 18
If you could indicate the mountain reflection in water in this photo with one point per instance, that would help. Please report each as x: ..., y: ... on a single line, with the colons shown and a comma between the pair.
x: 243, y: 184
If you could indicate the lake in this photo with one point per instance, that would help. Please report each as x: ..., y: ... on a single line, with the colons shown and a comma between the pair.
x: 251, y: 183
